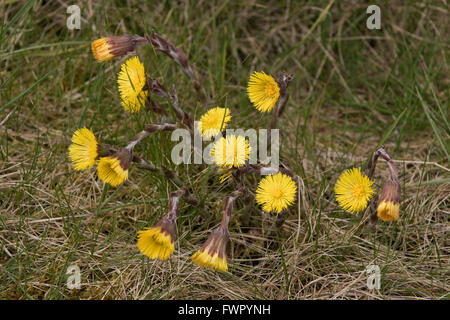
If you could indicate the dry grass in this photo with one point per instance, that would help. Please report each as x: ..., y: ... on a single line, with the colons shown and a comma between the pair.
x: 351, y: 84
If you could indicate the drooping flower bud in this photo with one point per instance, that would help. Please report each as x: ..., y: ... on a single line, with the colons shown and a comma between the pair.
x: 157, y: 242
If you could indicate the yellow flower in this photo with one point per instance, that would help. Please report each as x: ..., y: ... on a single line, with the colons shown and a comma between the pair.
x: 107, y: 48
x: 226, y: 173
x: 388, y: 211
x: 263, y: 91
x: 84, y: 149
x: 353, y: 190
x: 131, y: 80
x: 389, y: 205
x: 212, y: 254
x: 157, y: 242
x: 114, y: 169
x: 276, y: 192
x: 214, y: 121
x: 232, y: 151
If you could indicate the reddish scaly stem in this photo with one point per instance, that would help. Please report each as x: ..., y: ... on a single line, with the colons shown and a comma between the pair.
x: 148, y: 129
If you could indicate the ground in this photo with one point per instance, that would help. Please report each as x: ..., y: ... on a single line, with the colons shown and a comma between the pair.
x: 353, y: 90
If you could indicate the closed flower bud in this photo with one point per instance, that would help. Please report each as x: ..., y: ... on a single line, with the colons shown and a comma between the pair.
x: 212, y: 253
x: 84, y: 150
x: 389, y: 203
x: 107, y: 48
x: 157, y: 242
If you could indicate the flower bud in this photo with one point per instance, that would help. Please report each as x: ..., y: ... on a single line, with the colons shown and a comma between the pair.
x: 107, y: 48
x: 389, y: 203
x: 212, y: 253
x: 157, y: 242
x: 114, y: 169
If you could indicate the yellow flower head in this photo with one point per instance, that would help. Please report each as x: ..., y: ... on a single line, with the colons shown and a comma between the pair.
x: 84, y: 149
x: 212, y: 254
x: 214, y: 121
x: 105, y: 49
x: 388, y: 211
x: 131, y: 80
x: 263, y: 91
x: 157, y: 242
x: 114, y: 169
x: 232, y: 151
x: 389, y: 203
x: 353, y: 190
x: 276, y: 192
x: 101, y: 51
